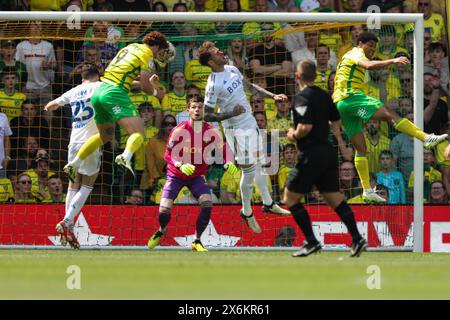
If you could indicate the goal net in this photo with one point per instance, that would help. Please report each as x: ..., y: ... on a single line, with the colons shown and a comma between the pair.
x: 43, y: 55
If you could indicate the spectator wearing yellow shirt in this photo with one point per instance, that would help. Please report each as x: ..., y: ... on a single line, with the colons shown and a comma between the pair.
x: 355, y: 31
x: 146, y: 113
x: 47, y: 5
x: 431, y: 174
x: 55, y: 190
x: 282, y: 121
x: 230, y: 192
x: 387, y: 46
x: 174, y: 102
x: 10, y: 99
x: 156, y: 147
x: 375, y: 142
x: 6, y: 191
x: 197, y: 74
x: 433, y: 22
x: 383, y: 85
x: 39, y: 177
x: 323, y: 69
x: 290, y: 154
x: 23, y: 193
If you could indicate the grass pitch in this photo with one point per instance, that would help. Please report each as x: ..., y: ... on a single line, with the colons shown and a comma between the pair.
x: 40, y: 274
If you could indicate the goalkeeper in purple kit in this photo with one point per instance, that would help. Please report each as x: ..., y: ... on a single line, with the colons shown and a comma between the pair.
x: 188, y: 150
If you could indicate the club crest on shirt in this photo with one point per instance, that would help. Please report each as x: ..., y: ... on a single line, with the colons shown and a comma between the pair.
x: 301, y: 110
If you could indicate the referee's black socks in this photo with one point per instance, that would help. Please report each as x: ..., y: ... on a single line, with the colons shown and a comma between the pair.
x: 345, y: 213
x: 301, y: 216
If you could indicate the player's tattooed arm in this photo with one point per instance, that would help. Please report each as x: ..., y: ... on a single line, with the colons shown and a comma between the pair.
x: 277, y: 97
x: 212, y: 116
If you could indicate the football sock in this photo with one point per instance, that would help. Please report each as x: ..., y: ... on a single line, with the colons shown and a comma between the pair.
x: 362, y: 167
x: 163, y: 217
x: 70, y: 193
x: 202, y: 221
x: 263, y: 186
x: 246, y: 186
x: 134, y: 142
x: 77, y: 202
x: 345, y: 213
x: 406, y: 126
x: 88, y: 148
x: 301, y: 216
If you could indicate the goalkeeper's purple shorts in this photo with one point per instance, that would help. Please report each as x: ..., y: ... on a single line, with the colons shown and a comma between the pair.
x: 173, y: 186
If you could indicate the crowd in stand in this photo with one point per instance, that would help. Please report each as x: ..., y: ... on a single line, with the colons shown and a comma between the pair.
x: 33, y: 143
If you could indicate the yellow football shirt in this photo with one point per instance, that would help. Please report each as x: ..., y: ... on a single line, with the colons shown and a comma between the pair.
x: 35, y: 183
x: 11, y: 104
x: 435, y: 23
x: 6, y: 190
x: 350, y: 77
x: 173, y: 103
x: 197, y: 74
x: 127, y: 65
x: 230, y: 183
x: 139, y: 155
x: 374, y: 150
x: 322, y: 78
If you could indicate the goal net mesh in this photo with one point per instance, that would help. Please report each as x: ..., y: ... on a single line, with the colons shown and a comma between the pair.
x: 46, y: 74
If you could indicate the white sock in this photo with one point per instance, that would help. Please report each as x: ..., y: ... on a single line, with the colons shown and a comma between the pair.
x: 263, y: 186
x: 69, y: 196
x: 76, y: 204
x: 127, y: 155
x: 246, y: 186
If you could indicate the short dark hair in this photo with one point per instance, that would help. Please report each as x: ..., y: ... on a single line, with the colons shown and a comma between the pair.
x: 8, y: 71
x: 386, y: 153
x: 194, y: 99
x: 308, y: 70
x: 259, y: 113
x: 179, y: 4
x: 289, y: 146
x: 29, y: 101
x: 367, y: 36
x: 91, y: 72
x: 437, y: 45
x: 55, y: 176
x: 203, y: 53
x: 387, y: 29
x: 322, y: 45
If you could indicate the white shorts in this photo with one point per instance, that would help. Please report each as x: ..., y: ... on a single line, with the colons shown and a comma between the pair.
x: 90, y: 165
x: 246, y: 145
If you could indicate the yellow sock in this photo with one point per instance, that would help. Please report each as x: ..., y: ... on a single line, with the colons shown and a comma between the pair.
x: 90, y: 146
x: 406, y: 126
x: 362, y: 167
x: 134, y: 142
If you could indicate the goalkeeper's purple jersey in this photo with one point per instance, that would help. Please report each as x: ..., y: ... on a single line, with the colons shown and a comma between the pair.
x: 191, y: 146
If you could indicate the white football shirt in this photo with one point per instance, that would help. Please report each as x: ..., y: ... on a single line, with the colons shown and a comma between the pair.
x: 79, y: 98
x: 226, y: 89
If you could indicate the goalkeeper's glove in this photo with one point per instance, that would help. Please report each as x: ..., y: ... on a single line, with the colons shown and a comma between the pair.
x: 231, y: 168
x: 187, y: 168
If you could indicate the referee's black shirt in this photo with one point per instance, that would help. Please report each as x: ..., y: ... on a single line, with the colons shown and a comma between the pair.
x: 314, y: 106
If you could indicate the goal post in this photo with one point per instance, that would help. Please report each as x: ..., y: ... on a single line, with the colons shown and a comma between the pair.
x: 308, y: 21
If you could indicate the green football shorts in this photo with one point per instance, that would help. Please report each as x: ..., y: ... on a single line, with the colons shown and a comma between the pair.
x: 356, y: 110
x: 112, y: 103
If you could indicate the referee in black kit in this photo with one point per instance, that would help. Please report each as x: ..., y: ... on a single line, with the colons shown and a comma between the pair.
x: 318, y: 162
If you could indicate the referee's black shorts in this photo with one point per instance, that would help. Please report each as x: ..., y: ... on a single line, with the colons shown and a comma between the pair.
x: 316, y: 166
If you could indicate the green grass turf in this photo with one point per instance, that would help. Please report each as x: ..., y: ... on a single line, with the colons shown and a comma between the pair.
x: 40, y: 274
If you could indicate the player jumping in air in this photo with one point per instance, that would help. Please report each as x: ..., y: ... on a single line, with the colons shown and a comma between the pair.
x: 356, y: 108
x: 186, y: 157
x: 83, y: 128
x: 225, y: 87
x: 112, y: 103
x: 318, y: 163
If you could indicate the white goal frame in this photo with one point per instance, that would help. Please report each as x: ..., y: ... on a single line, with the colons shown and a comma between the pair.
x: 363, y: 18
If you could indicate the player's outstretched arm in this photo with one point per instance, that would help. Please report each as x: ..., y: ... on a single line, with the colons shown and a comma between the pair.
x: 212, y: 116
x: 373, y: 65
x: 52, y: 105
x: 277, y: 97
